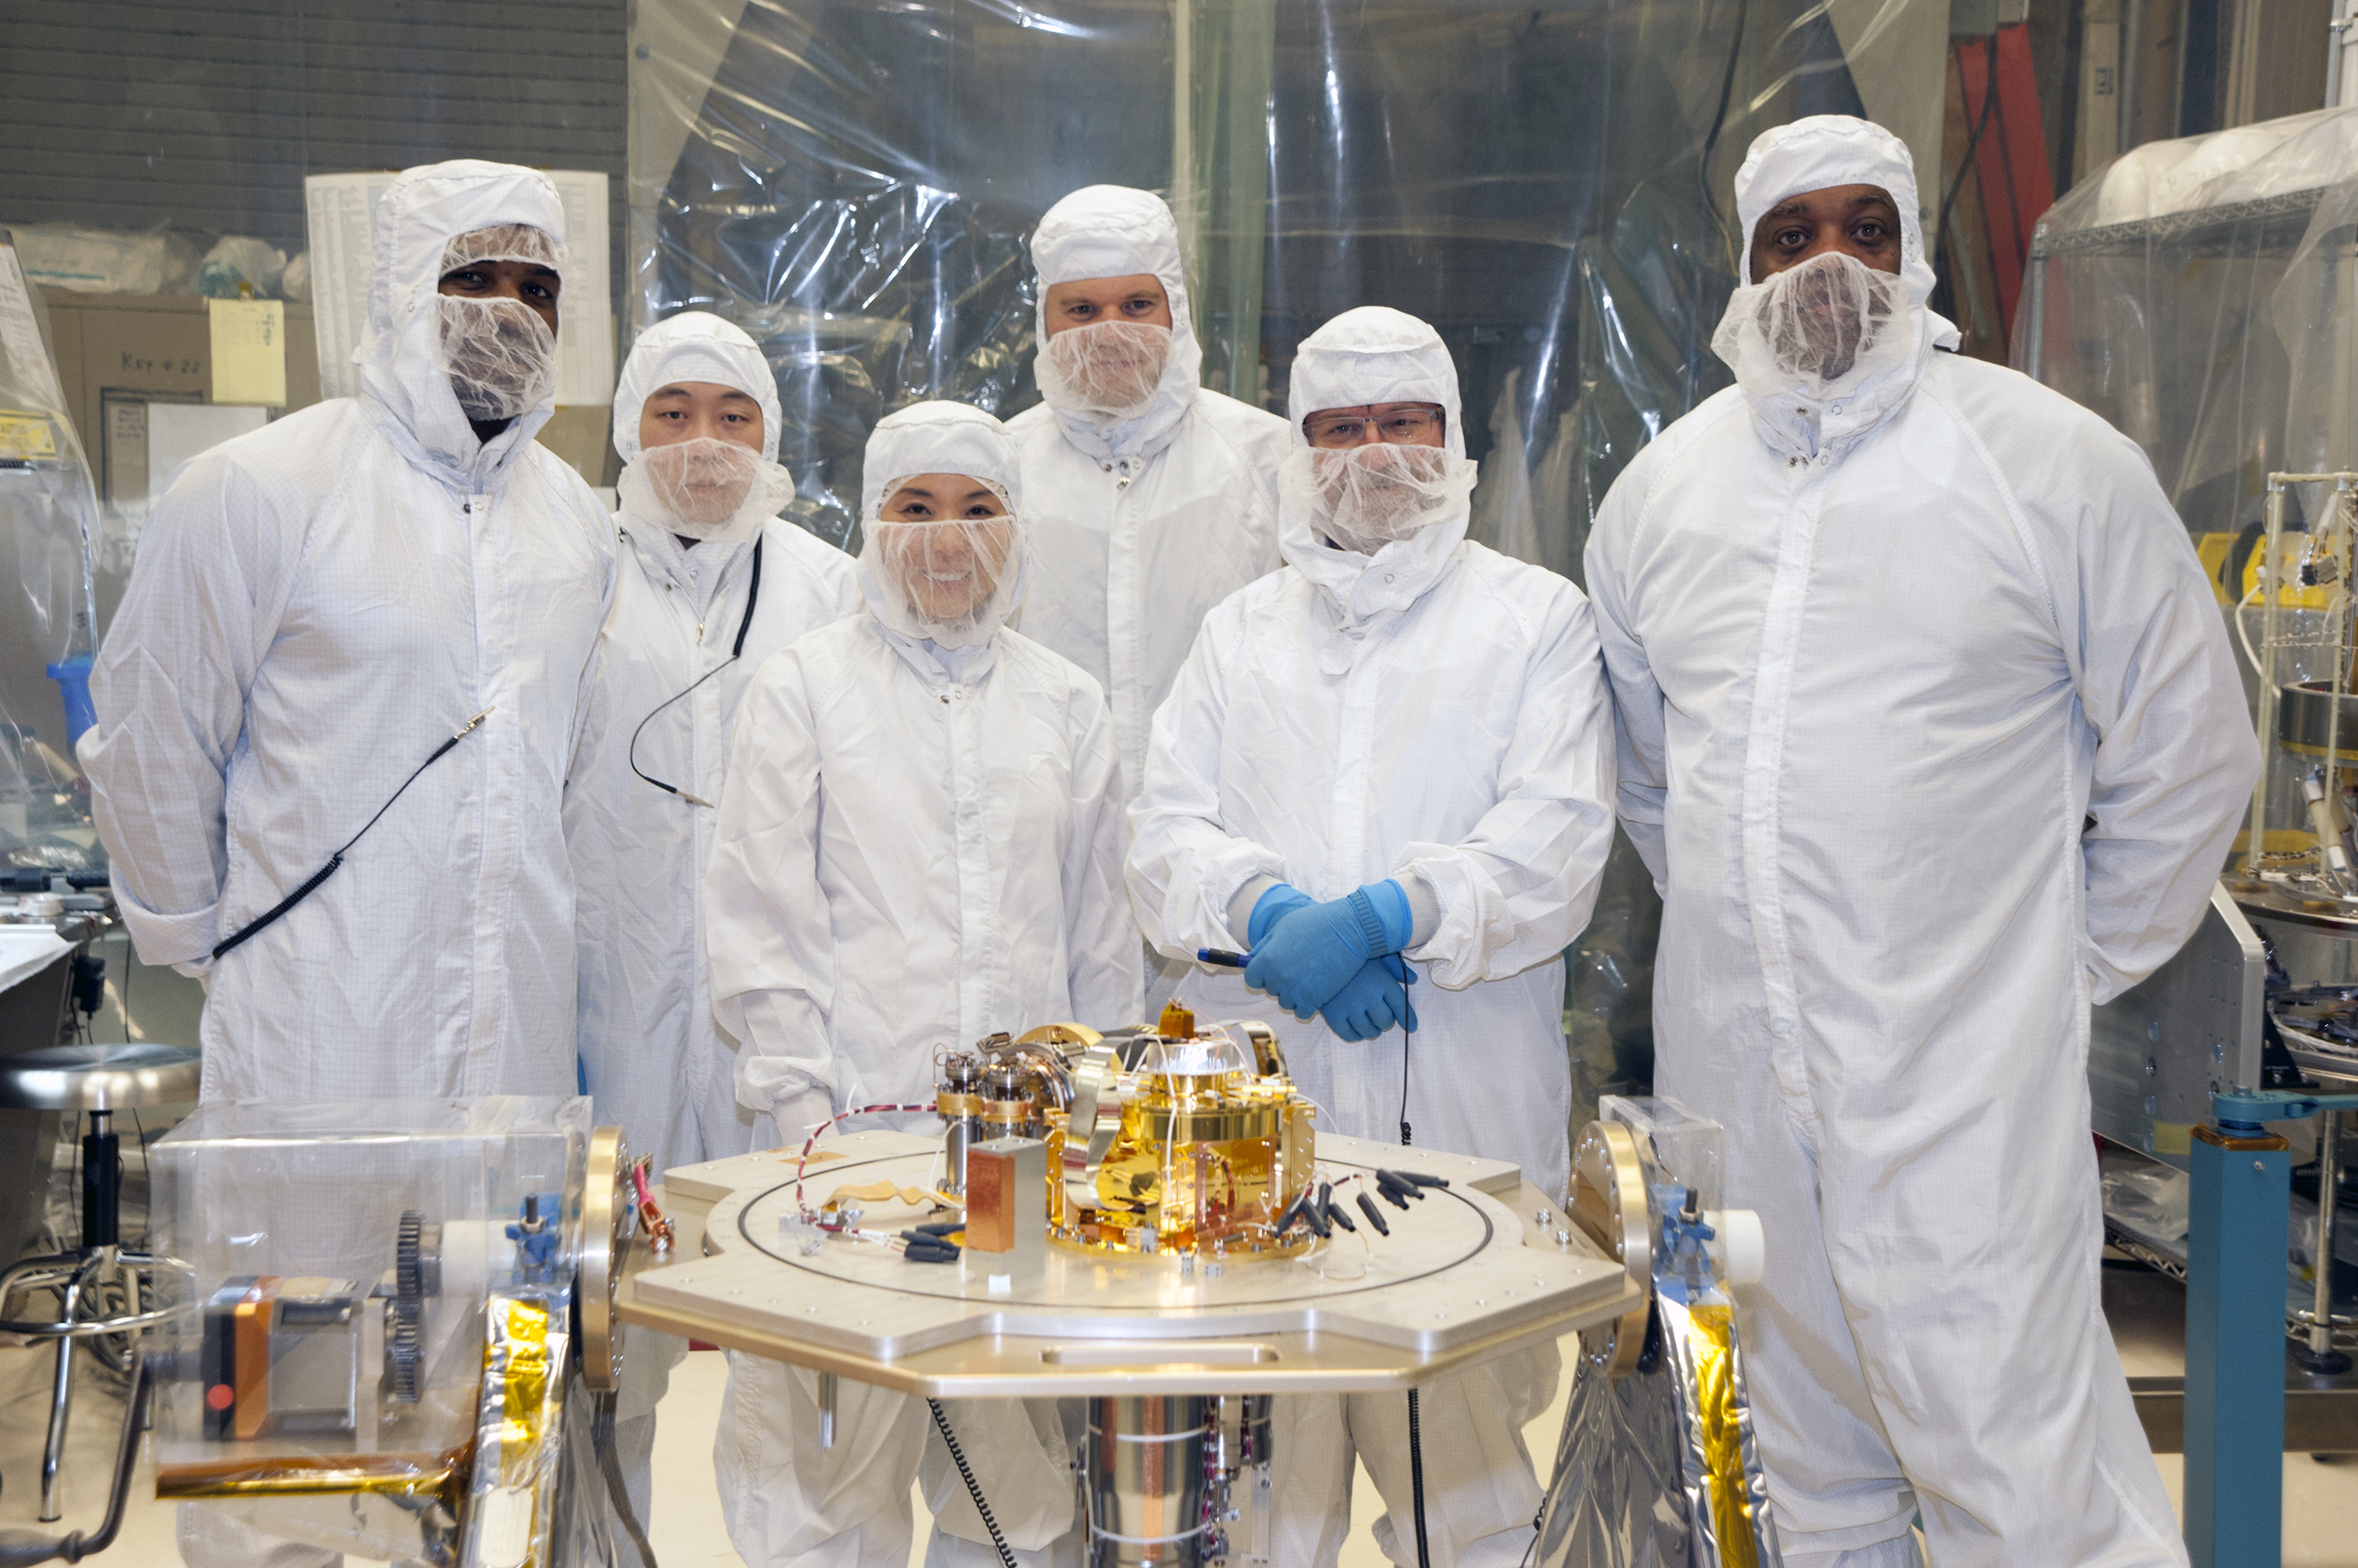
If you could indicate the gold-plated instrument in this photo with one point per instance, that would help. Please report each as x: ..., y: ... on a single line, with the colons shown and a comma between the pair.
x: 1168, y: 1140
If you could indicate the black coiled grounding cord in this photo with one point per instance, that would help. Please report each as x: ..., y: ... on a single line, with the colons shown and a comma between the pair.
x: 1416, y: 1479
x: 1415, y: 1436
x: 974, y: 1489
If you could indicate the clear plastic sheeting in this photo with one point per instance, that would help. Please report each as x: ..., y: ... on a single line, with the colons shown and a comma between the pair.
x: 2195, y: 293
x: 1548, y: 184
x: 1658, y: 1468
x: 329, y: 1378
x: 48, y: 510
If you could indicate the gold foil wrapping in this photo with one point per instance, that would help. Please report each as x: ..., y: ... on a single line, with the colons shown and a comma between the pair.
x: 1724, y: 1488
x: 511, y: 1502
x: 1660, y: 1467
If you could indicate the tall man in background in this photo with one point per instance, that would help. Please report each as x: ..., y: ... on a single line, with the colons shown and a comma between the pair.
x: 1150, y: 497
x: 1930, y: 737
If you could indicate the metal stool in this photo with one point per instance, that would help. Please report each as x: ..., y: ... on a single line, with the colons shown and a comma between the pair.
x: 98, y: 1080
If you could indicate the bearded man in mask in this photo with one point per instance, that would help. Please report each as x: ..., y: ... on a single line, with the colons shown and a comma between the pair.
x: 1930, y: 737
x: 317, y: 607
x: 1394, y: 752
x: 1152, y: 498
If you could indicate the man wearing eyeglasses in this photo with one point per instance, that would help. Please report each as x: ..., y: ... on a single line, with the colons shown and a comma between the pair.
x: 1385, y: 770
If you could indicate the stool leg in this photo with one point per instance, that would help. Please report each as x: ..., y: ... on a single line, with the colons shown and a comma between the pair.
x: 61, y: 1398
x: 102, y: 1182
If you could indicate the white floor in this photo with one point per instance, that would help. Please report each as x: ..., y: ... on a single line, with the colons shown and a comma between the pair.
x: 2320, y: 1498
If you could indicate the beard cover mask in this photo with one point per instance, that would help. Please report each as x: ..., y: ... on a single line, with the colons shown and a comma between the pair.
x: 1363, y: 498
x: 1822, y: 334
x: 707, y: 489
x: 500, y: 356
x: 950, y: 582
x: 1106, y: 367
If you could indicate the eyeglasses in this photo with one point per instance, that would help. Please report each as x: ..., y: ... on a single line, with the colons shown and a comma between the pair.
x: 1403, y: 423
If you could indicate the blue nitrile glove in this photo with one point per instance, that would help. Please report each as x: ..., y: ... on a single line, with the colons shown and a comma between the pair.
x: 1272, y: 907
x: 1375, y: 1000
x: 1309, y: 954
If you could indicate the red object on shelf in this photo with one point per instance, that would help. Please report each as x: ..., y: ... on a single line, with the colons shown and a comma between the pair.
x: 2010, y: 166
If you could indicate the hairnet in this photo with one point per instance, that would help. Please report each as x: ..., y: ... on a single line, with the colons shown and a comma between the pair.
x: 694, y: 345
x: 1367, y: 497
x: 1825, y: 150
x: 940, y: 437
x: 1112, y: 231
x: 415, y: 219
x: 1374, y: 354
x: 505, y: 242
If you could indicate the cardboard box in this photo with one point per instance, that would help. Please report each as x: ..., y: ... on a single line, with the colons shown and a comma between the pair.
x: 158, y: 347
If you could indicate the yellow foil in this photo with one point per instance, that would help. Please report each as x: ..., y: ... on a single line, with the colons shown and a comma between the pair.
x: 524, y: 1391
x: 1710, y: 1344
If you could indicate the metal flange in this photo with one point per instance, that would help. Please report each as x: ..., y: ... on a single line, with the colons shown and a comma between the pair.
x: 1608, y: 1203
x: 608, y: 1218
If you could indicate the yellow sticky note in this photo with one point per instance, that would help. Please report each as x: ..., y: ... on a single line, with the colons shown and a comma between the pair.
x: 249, y: 351
x: 27, y: 436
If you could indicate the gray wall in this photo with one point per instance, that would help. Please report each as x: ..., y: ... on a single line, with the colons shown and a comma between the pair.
x: 205, y: 115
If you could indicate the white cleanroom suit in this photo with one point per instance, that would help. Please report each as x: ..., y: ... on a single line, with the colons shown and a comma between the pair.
x: 317, y: 606
x: 1932, y: 737
x: 651, y: 1054
x: 1436, y: 713
x: 919, y: 844
x: 1139, y: 522
x: 672, y: 667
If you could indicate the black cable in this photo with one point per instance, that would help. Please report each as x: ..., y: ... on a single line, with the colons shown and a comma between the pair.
x: 974, y: 1487
x: 1965, y: 163
x: 1416, y: 1479
x: 1415, y: 1436
x: 736, y: 652
x: 601, y: 1443
x: 1404, y: 1087
x: 123, y: 990
x: 335, y: 863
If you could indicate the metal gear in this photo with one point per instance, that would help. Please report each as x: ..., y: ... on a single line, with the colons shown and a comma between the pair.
x: 405, y: 1339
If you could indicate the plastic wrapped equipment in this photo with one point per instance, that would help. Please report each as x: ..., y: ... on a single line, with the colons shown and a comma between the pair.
x: 1658, y: 1466
x: 373, y: 1357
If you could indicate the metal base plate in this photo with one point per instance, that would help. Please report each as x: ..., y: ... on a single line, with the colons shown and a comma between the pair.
x: 1462, y: 1278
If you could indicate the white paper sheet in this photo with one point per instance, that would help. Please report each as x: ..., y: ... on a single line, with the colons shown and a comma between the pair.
x: 340, y: 206
x: 178, y: 431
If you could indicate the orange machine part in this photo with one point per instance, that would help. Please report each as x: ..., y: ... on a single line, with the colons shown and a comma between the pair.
x: 252, y: 1416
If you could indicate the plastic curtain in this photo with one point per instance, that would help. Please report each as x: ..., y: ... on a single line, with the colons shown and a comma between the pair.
x: 1549, y: 184
x: 51, y: 509
x: 2194, y: 293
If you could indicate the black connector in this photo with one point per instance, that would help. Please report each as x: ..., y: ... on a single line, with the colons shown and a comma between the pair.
x: 1314, y: 1215
x: 939, y: 1227
x: 1418, y: 1179
x: 1374, y: 1216
x: 1396, y: 1197
x: 1402, y: 1183
x: 931, y: 1253
x: 1293, y: 1211
x: 1336, y: 1217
